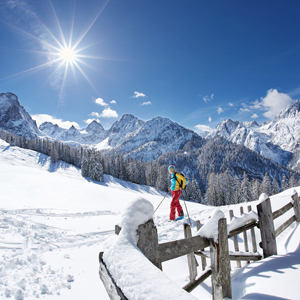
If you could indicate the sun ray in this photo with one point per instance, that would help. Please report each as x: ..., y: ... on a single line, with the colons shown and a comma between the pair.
x: 62, y: 86
x: 59, y: 27
x: 91, y: 25
x: 32, y: 69
x: 82, y: 72
x: 32, y: 36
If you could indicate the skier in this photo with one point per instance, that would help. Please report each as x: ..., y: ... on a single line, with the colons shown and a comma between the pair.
x: 175, y: 192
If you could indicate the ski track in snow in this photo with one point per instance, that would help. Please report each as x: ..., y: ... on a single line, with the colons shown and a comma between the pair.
x: 25, y: 238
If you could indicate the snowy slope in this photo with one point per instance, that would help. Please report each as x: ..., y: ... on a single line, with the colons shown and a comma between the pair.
x: 53, y: 224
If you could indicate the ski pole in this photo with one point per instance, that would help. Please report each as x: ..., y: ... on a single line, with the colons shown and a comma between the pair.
x: 187, y: 212
x: 161, y: 201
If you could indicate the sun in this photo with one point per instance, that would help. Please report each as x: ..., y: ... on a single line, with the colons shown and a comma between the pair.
x: 68, y: 55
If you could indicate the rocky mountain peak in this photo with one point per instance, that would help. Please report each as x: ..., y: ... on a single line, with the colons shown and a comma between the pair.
x: 94, y: 127
x: 14, y: 118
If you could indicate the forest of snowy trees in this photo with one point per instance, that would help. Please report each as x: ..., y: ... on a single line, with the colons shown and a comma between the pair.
x: 220, y: 187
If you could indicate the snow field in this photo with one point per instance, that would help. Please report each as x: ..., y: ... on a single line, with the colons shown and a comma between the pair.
x: 54, y: 223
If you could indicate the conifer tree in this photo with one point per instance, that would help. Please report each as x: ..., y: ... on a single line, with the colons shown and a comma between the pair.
x: 211, y: 192
x: 237, y: 190
x: 275, y: 187
x: 284, y: 183
x: 292, y: 182
x: 255, y: 189
x: 246, y: 189
x: 266, y: 185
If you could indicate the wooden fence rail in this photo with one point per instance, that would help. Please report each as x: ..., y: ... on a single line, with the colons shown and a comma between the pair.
x: 219, y: 253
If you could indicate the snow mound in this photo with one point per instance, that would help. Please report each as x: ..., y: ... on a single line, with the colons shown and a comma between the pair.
x: 210, y: 229
x: 241, y: 221
x: 137, y: 212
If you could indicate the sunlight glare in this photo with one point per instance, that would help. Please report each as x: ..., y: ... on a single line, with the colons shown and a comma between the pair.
x: 68, y: 55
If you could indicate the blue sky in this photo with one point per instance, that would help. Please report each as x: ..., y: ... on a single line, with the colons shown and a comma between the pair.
x: 195, y: 62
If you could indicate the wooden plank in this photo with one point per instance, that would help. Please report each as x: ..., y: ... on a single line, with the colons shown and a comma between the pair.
x: 113, y: 291
x: 266, y: 226
x: 253, y: 237
x: 245, y: 235
x: 247, y: 257
x: 148, y: 242
x: 281, y: 211
x: 193, y: 284
x: 220, y: 263
x: 285, y: 225
x: 235, y: 240
x: 296, y: 207
x: 242, y: 229
x: 203, y: 259
x: 190, y: 257
x: 171, y: 250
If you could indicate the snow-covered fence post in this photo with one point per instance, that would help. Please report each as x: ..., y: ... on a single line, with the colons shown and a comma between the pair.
x: 235, y: 240
x: 148, y: 242
x: 296, y: 206
x: 266, y: 226
x: 192, y: 262
x: 220, y: 263
x: 203, y: 259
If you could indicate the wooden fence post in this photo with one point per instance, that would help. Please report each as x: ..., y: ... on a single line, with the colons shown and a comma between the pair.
x: 253, y: 238
x: 296, y: 207
x: 235, y: 241
x: 220, y: 263
x: 203, y: 259
x: 266, y: 226
x: 192, y: 262
x: 245, y: 235
x: 148, y: 242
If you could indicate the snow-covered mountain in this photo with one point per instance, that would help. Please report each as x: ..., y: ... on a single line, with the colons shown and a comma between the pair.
x: 14, y: 118
x: 278, y: 139
x: 129, y: 135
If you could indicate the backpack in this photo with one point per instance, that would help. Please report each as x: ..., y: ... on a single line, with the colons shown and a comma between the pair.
x: 181, y: 180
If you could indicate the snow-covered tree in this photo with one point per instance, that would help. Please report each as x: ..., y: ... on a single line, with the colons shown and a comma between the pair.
x: 284, y: 183
x: 237, y: 190
x: 246, y: 189
x: 255, y: 187
x: 292, y: 182
x: 275, y: 187
x: 266, y: 186
x: 211, y: 192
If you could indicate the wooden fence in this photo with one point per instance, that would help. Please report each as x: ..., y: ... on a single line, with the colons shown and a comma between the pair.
x: 219, y: 253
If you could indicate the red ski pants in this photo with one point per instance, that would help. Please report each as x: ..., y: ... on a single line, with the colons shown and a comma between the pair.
x: 175, y: 204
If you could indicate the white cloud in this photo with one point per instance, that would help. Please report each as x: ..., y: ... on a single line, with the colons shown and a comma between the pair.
x: 208, y: 98
x: 274, y: 102
x: 209, y: 119
x: 137, y: 95
x: 109, y: 113
x: 41, y: 118
x: 203, y: 128
x: 230, y: 104
x: 95, y: 114
x: 254, y: 116
x: 100, y: 101
x: 113, y: 101
x: 220, y: 110
x: 147, y: 103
